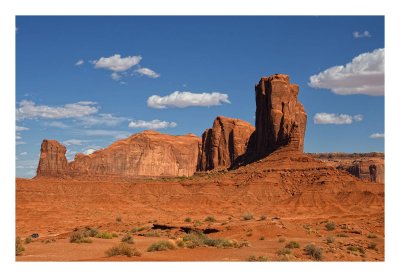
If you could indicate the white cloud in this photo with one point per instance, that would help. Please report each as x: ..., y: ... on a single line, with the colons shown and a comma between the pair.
x: 147, y: 72
x: 377, y: 135
x: 358, y: 117
x: 116, y: 63
x: 89, y: 151
x: 20, y: 128
x: 105, y: 133
x: 365, y: 74
x: 186, y: 99
x: 153, y: 124
x: 115, y: 76
x: 102, y: 119
x: 23, y: 153
x: 18, y: 136
x: 80, y: 62
x: 364, y: 34
x: 74, y: 142
x: 331, y: 118
x: 57, y: 124
x: 29, y: 110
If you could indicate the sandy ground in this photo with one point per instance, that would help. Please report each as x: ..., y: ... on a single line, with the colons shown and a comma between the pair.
x: 290, y: 198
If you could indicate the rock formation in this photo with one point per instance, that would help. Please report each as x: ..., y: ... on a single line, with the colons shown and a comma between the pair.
x: 366, y: 166
x: 52, y: 161
x: 145, y: 154
x: 280, y: 118
x: 224, y: 143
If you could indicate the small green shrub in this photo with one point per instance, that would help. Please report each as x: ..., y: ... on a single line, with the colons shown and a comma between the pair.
x: 152, y: 234
x: 330, y: 239
x: 18, y: 247
x: 138, y: 229
x: 262, y: 238
x: 330, y: 226
x: 292, y: 245
x: 114, y: 235
x: 188, y: 219
x: 197, y: 223
x: 247, y: 216
x: 351, y: 248
x: 371, y: 236
x: 127, y: 239
x: 161, y: 245
x: 283, y: 251
x: 28, y: 240
x: 90, y: 232
x: 257, y: 259
x: 314, y: 252
x: 281, y: 239
x: 372, y: 246
x: 104, y: 235
x: 122, y: 249
x: 118, y: 219
x: 210, y: 218
x: 79, y: 236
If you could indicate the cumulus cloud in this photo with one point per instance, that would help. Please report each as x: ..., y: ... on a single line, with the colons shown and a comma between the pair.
x: 115, y: 76
x: 74, y: 142
x: 365, y: 74
x: 147, y: 72
x: 105, y: 133
x: 153, y: 124
x: 377, y: 135
x: 20, y: 128
x: 185, y: 99
x: 23, y: 153
x: 116, y: 63
x: 331, y: 118
x: 29, y: 110
x: 89, y: 151
x: 57, y: 124
x: 102, y: 119
x: 80, y: 62
x: 364, y: 34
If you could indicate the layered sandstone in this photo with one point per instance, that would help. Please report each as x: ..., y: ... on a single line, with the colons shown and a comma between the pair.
x: 145, y: 154
x: 365, y: 166
x: 280, y: 117
x: 224, y: 143
x: 52, y: 161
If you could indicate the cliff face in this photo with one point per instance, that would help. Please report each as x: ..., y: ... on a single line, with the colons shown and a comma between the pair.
x: 280, y: 118
x: 52, y: 161
x: 144, y: 154
x: 224, y: 143
x: 366, y: 166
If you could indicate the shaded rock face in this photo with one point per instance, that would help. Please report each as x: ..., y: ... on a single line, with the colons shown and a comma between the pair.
x: 280, y: 118
x: 144, y: 154
x: 224, y: 143
x: 368, y: 170
x: 52, y: 161
x: 365, y: 166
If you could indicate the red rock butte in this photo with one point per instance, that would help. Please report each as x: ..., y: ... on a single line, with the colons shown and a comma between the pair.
x: 230, y: 143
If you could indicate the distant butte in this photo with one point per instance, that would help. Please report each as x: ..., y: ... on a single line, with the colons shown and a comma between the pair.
x: 230, y: 143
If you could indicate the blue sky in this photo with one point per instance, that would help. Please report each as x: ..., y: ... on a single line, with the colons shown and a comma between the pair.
x: 87, y: 81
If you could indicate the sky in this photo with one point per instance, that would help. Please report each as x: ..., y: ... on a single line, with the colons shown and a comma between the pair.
x: 88, y: 81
